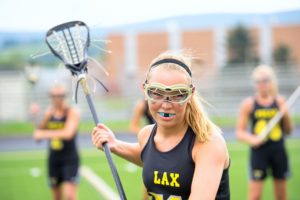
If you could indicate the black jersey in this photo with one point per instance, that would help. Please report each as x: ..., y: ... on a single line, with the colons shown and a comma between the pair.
x: 272, y: 154
x: 169, y: 175
x: 259, y: 118
x: 59, y: 148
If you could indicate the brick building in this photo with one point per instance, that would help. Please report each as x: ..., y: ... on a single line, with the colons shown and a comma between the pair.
x: 135, y: 45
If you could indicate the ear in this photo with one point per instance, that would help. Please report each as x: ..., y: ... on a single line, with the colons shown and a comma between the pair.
x: 193, y: 90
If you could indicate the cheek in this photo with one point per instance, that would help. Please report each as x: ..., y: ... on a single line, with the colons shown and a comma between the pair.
x: 180, y: 109
x: 153, y: 107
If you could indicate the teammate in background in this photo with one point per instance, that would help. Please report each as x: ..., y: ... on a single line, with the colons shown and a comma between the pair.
x: 59, y: 126
x: 141, y: 110
x: 269, y: 153
x: 183, y: 154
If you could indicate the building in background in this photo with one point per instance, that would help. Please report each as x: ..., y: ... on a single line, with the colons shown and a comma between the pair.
x: 135, y: 45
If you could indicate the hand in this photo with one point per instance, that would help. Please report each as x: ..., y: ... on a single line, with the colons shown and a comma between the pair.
x: 102, y: 134
x: 256, y: 141
x: 37, y: 135
x: 284, y: 108
x: 34, y: 110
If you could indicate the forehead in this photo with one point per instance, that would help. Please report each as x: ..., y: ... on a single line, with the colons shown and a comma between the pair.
x: 262, y: 75
x: 168, y: 77
x: 58, y: 90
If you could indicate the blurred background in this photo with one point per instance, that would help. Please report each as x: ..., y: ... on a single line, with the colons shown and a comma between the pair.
x: 228, y: 38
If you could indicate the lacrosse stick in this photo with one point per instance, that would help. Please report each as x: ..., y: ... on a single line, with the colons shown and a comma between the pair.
x: 69, y: 42
x: 32, y: 76
x: 266, y: 131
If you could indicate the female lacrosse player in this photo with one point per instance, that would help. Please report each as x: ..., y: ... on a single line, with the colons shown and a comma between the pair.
x: 268, y: 153
x: 59, y: 126
x: 183, y: 155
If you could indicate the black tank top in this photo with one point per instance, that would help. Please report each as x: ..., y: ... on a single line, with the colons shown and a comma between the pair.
x: 259, y: 118
x: 170, y: 174
x: 60, y: 148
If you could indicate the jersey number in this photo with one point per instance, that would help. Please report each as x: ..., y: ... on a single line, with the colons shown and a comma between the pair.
x: 56, y: 144
x: 161, y: 197
x: 275, y: 134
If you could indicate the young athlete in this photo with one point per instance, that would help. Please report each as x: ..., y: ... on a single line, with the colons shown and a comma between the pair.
x: 183, y: 155
x: 59, y: 126
x: 269, y: 153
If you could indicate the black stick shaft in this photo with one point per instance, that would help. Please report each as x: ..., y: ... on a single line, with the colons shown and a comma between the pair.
x: 107, y: 151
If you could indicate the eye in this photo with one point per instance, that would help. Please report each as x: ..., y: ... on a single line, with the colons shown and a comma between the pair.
x: 179, y: 97
x: 154, y: 95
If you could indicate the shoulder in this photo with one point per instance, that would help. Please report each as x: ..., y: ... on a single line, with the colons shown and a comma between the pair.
x: 73, y: 110
x: 214, y: 148
x: 144, y: 134
x: 140, y: 105
x: 247, y: 104
x: 48, y: 112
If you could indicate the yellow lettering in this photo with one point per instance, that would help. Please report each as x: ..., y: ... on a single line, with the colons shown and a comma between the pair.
x: 164, y: 180
x: 263, y: 113
x: 168, y: 179
x: 174, y: 182
x: 156, y: 179
x: 55, y: 125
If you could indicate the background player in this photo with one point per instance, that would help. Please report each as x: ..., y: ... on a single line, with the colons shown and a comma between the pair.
x: 271, y: 153
x: 59, y: 126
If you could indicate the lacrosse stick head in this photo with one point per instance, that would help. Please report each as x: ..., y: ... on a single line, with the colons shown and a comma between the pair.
x: 32, y: 74
x: 69, y: 42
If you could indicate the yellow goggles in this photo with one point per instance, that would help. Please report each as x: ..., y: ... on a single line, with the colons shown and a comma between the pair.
x: 178, y: 93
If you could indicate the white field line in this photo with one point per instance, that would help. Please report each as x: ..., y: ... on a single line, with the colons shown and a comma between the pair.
x: 98, y: 183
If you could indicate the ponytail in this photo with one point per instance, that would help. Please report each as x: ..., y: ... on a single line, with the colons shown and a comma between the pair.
x: 198, y: 120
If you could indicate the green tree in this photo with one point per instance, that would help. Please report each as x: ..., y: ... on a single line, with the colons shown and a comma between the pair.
x: 240, y: 46
x: 282, y: 54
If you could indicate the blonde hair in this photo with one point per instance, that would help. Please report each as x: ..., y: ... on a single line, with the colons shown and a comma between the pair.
x: 58, y: 86
x: 266, y: 71
x: 195, y: 116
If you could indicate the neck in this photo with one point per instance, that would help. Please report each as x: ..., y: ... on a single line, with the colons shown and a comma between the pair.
x: 59, y: 107
x: 264, y: 96
x: 172, y: 131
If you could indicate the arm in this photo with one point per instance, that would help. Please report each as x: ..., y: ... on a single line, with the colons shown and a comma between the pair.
x: 126, y: 150
x: 66, y: 133
x: 210, y: 160
x: 286, y: 119
x: 137, y: 116
x: 47, y: 115
x: 242, y: 133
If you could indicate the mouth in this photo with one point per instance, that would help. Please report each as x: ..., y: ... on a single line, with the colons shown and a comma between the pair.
x: 163, y: 114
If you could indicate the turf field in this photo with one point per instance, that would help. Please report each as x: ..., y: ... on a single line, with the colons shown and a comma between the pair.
x: 23, y: 174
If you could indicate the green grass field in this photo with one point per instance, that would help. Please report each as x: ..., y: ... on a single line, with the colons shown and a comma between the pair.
x: 16, y: 181
x: 23, y: 128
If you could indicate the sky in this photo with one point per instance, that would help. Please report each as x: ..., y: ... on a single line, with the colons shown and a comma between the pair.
x: 40, y: 15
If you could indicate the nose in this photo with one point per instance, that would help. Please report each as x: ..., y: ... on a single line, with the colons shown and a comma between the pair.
x: 166, y: 103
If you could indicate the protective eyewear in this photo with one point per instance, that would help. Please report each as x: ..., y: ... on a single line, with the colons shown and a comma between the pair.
x: 262, y: 80
x: 178, y: 93
x: 57, y: 96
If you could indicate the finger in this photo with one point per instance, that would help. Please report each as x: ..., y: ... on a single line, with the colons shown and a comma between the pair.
x: 102, y: 126
x: 95, y: 129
